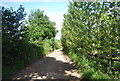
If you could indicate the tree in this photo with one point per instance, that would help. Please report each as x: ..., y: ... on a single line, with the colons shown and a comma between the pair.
x: 11, y: 32
x: 40, y: 26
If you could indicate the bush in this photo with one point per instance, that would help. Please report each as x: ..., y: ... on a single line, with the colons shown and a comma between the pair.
x: 57, y: 44
x: 48, y: 46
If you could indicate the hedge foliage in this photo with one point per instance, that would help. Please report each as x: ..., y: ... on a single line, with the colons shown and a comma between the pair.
x: 92, y: 28
x: 24, y: 41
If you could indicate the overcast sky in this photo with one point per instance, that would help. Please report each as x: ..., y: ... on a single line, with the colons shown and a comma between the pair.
x: 54, y: 9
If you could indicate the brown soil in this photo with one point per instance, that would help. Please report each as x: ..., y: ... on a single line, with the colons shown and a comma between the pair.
x: 55, y: 65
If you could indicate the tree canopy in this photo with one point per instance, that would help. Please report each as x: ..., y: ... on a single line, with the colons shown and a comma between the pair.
x: 40, y: 26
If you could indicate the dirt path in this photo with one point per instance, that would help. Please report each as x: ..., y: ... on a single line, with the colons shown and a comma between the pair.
x: 55, y: 65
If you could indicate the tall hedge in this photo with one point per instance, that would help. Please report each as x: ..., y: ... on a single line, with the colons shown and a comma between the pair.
x: 92, y: 28
x: 24, y: 41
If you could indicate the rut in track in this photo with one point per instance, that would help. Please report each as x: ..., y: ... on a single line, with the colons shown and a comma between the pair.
x: 55, y: 65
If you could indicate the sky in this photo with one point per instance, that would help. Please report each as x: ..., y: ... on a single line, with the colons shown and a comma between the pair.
x: 53, y: 9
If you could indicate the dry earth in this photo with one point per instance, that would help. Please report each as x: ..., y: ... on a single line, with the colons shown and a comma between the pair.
x: 55, y: 65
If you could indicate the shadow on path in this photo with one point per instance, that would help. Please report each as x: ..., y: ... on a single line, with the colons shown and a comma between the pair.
x: 47, y: 68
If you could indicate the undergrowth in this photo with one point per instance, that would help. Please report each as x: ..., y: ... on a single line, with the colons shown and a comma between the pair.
x: 87, y: 67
